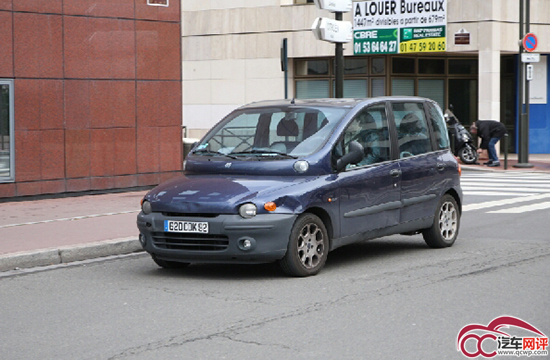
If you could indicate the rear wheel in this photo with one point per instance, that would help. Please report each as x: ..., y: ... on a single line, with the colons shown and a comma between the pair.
x: 169, y: 264
x: 308, y: 247
x: 444, y: 229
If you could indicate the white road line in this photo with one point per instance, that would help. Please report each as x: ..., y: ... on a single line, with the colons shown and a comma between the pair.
x: 495, y: 203
x: 68, y: 219
x: 508, y: 183
x: 495, y: 193
x: 513, y: 189
x: 522, y: 209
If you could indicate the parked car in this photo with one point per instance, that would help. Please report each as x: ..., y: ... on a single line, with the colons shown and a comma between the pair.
x: 291, y: 180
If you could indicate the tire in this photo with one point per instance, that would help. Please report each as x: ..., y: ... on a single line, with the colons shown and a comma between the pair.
x: 308, y: 247
x: 444, y: 229
x: 169, y: 264
x: 468, y: 155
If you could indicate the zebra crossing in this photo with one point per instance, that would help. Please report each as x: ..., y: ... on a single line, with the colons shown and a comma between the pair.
x: 514, y: 192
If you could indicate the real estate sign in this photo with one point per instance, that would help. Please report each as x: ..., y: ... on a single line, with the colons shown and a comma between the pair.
x: 399, y: 26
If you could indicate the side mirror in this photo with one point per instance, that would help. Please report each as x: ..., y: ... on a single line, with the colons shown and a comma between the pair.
x: 354, y: 156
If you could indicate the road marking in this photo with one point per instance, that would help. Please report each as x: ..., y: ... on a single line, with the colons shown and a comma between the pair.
x: 489, y: 204
x: 69, y: 219
x: 495, y: 193
x: 522, y: 209
x: 497, y: 188
x: 505, y: 184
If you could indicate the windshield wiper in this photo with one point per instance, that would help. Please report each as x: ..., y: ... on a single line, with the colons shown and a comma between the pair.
x: 265, y: 153
x: 212, y: 153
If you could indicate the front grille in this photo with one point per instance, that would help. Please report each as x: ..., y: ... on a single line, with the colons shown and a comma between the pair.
x: 190, y: 242
x: 174, y: 214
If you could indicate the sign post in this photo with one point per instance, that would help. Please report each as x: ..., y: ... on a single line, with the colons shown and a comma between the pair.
x: 336, y: 31
x: 528, y: 43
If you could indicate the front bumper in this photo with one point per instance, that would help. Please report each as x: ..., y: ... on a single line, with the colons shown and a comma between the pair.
x: 268, y: 235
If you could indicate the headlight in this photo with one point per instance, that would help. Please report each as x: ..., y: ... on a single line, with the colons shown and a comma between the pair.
x: 465, y: 138
x: 146, y: 207
x: 247, y: 211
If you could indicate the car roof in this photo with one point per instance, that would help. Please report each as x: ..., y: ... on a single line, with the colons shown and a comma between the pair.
x: 330, y: 102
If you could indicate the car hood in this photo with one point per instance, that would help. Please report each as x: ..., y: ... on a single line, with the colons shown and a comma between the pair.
x: 215, y: 194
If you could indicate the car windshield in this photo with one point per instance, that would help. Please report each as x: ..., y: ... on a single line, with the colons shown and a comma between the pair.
x: 271, y: 132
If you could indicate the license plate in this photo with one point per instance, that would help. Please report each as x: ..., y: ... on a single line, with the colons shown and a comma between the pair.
x: 185, y: 226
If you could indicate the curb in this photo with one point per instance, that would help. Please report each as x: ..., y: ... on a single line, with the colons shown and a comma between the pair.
x: 67, y: 254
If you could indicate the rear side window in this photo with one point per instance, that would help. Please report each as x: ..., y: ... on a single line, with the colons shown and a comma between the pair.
x: 439, y: 127
x: 412, y: 129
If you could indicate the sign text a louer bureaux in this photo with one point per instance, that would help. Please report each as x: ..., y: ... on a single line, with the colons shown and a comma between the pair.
x: 399, y: 26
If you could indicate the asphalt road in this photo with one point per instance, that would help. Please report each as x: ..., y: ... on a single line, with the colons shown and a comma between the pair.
x: 392, y: 298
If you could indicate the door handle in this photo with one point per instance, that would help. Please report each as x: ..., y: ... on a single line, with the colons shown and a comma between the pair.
x: 441, y: 166
x: 395, y: 173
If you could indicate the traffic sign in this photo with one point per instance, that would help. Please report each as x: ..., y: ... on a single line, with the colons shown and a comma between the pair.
x: 330, y: 30
x: 530, y: 42
x: 530, y: 58
x: 529, y: 72
x: 334, y: 5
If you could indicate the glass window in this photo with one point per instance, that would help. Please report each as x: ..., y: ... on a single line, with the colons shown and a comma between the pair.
x: 370, y: 129
x: 312, y: 67
x: 378, y: 87
x: 403, y: 87
x: 312, y: 89
x: 378, y: 66
x: 432, y: 89
x: 463, y: 66
x: 354, y: 89
x: 271, y: 132
x: 431, y: 66
x: 439, y: 127
x: 412, y: 129
x: 7, y: 148
x: 402, y: 65
x: 356, y: 66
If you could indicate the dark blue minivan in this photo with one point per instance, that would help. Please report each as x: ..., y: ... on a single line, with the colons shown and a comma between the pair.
x: 291, y: 180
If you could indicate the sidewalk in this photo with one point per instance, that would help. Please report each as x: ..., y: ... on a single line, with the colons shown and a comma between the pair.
x: 61, y: 230
x: 540, y: 162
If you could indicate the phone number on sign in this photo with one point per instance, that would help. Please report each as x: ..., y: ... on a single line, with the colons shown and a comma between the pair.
x: 423, y: 45
x: 376, y: 47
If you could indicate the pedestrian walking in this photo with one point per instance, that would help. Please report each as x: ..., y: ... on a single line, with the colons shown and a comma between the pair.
x: 490, y: 132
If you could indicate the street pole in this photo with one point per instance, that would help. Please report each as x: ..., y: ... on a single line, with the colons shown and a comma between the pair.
x: 523, y: 146
x: 339, y: 64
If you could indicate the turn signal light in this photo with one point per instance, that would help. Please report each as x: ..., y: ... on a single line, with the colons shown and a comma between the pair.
x: 459, y: 170
x: 270, y: 206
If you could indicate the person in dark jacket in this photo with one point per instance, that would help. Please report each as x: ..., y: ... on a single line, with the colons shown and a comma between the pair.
x: 490, y: 132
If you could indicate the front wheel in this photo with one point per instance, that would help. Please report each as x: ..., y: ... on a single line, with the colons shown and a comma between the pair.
x: 468, y: 155
x: 444, y: 229
x: 308, y: 247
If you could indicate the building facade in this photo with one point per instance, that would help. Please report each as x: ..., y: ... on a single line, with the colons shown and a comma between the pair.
x: 90, y: 95
x: 232, y: 57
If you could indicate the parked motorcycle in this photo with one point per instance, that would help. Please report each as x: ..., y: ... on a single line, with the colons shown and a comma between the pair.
x: 462, y: 142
